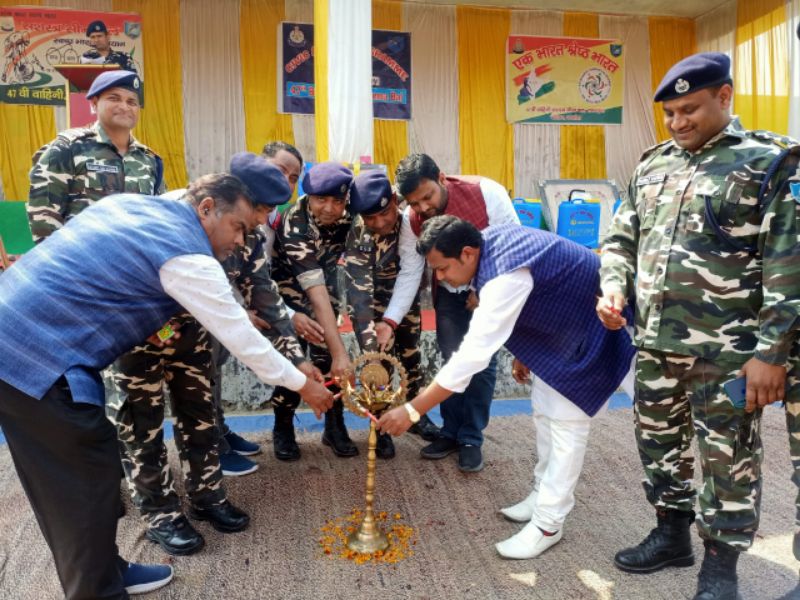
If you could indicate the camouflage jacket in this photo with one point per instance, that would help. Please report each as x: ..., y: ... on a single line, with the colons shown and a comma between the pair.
x: 80, y: 167
x: 306, y: 255
x: 248, y: 270
x: 123, y: 59
x: 371, y: 264
x: 714, y: 265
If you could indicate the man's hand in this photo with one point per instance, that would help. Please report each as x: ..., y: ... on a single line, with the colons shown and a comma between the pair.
x: 257, y: 321
x: 472, y: 300
x: 385, y: 335
x: 395, y: 421
x: 766, y: 383
x: 307, y: 328
x: 609, y: 310
x: 316, y: 396
x: 310, y: 371
x: 158, y: 343
x: 520, y: 372
x: 341, y: 366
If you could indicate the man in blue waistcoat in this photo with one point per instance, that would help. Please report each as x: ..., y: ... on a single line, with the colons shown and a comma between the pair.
x: 537, y: 295
x: 91, y: 291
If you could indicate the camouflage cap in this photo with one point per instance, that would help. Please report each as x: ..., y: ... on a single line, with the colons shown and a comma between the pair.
x: 370, y: 193
x: 265, y: 181
x: 112, y: 79
x: 96, y: 27
x: 693, y: 73
x: 328, y: 179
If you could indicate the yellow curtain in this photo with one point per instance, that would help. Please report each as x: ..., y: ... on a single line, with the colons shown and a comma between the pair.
x: 762, y: 65
x: 390, y: 137
x: 671, y: 39
x: 486, y: 139
x: 23, y: 130
x: 161, y: 122
x: 583, y: 147
x: 258, y: 38
x: 321, y: 79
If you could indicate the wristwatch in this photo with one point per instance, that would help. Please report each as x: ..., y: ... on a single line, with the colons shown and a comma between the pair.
x: 413, y: 415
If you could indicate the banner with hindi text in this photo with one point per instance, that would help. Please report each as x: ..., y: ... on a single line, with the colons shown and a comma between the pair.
x: 569, y: 81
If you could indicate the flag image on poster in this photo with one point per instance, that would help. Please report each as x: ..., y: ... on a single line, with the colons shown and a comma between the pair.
x: 34, y: 39
x: 564, y: 80
x: 297, y: 75
x: 391, y: 74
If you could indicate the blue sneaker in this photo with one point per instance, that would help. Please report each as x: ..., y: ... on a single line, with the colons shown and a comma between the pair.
x: 240, y: 445
x: 140, y: 579
x: 234, y: 465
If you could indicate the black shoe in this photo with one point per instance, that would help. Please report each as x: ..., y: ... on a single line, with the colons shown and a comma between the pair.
x: 717, y: 579
x: 439, y: 448
x: 335, y: 434
x: 224, y: 517
x: 176, y: 537
x: 284, y: 443
x: 425, y: 428
x: 668, y: 545
x: 385, y: 447
x: 470, y: 458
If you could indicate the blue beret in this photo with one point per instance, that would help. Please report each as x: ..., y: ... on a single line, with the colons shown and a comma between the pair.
x: 116, y: 78
x: 96, y: 27
x: 693, y: 73
x: 371, y: 193
x: 328, y: 179
x: 265, y: 181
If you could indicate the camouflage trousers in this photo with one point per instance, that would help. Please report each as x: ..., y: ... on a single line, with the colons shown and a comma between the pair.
x: 138, y: 414
x: 793, y: 427
x: 679, y: 396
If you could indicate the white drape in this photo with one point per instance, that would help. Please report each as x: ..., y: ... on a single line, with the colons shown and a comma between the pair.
x: 625, y: 143
x: 349, y: 79
x: 60, y: 112
x: 302, y: 11
x: 213, y: 107
x: 716, y: 30
x: 537, y: 148
x: 433, y: 128
x: 793, y: 19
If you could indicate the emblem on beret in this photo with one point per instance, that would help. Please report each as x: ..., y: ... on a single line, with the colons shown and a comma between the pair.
x: 384, y: 201
x: 136, y: 83
x: 682, y: 86
x: 343, y: 189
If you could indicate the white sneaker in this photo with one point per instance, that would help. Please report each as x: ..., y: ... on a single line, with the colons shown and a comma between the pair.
x: 521, y: 512
x: 529, y: 542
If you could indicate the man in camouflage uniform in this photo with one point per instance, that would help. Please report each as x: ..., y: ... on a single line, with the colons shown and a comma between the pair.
x: 83, y: 165
x: 101, y: 52
x: 308, y: 247
x: 186, y: 367
x: 372, y: 262
x: 710, y: 251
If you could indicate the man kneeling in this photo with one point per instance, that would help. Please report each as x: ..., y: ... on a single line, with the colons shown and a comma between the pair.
x: 537, y: 296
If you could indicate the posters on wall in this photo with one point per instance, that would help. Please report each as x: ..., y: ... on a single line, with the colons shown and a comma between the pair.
x: 35, y: 38
x: 391, y: 71
x: 568, y: 81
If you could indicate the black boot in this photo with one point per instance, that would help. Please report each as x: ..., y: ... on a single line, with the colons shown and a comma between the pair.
x: 425, y: 428
x: 283, y: 441
x: 668, y: 545
x: 335, y: 434
x: 385, y: 448
x: 717, y: 579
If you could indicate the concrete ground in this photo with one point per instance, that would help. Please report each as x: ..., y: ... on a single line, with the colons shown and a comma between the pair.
x: 452, y: 518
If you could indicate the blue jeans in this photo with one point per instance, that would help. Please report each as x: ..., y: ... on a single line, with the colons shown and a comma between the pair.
x: 464, y: 415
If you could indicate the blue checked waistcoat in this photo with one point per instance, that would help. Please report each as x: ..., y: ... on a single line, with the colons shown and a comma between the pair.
x: 91, y: 291
x: 558, y: 335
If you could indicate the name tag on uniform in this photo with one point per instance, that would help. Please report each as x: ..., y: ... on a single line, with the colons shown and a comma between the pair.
x: 651, y: 179
x: 100, y: 168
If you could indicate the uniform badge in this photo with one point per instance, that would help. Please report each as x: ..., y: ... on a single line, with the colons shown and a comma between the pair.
x: 682, y: 86
x: 136, y: 83
x: 794, y: 188
x: 101, y: 168
x: 384, y: 202
x: 651, y: 179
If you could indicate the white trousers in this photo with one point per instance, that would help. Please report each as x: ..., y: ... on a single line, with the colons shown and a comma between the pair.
x: 562, y: 433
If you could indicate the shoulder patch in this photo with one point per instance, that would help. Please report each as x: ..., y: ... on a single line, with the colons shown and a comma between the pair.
x: 654, y: 150
x: 71, y: 135
x: 782, y: 141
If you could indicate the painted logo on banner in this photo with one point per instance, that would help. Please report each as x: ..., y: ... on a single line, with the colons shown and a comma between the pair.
x: 34, y: 39
x: 391, y: 74
x: 564, y: 80
x: 297, y: 75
